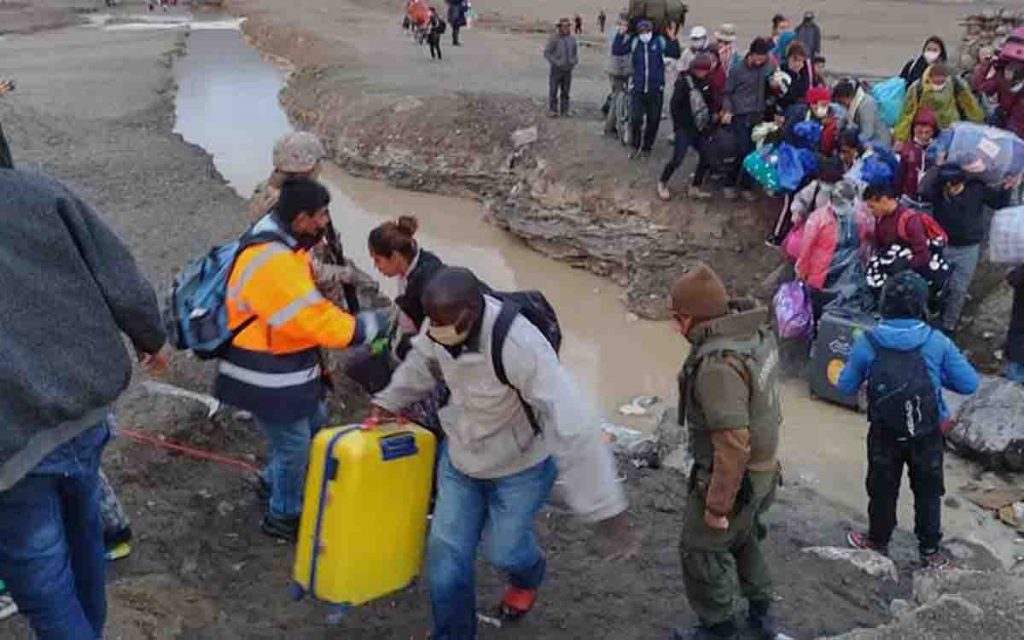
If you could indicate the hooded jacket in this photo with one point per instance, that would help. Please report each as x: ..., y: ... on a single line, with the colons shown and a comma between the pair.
x: 961, y: 215
x: 952, y: 103
x: 913, y: 157
x: 947, y: 367
x: 1011, y: 101
x: 864, y: 114
x: 648, y: 60
x: 820, y: 242
x: 489, y: 434
x: 681, y: 107
x: 71, y: 288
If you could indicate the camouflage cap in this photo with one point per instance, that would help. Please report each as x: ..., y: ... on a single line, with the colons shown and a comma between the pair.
x: 297, y: 152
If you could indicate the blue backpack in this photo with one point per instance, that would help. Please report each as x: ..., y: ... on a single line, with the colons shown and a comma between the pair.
x: 195, y: 311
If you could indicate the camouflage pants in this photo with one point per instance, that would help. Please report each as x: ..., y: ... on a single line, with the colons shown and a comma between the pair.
x: 116, y: 527
x: 721, y: 566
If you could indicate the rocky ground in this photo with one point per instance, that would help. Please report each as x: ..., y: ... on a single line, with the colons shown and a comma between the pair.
x: 94, y: 108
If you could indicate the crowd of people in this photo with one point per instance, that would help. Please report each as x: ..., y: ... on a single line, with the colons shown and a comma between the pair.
x: 484, y: 374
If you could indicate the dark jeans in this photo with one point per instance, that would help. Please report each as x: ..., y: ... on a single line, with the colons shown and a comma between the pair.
x: 923, y: 458
x: 743, y: 126
x: 683, y: 141
x: 6, y: 161
x: 455, y: 35
x: 560, y: 82
x: 51, y: 541
x: 646, y: 118
x: 434, y: 40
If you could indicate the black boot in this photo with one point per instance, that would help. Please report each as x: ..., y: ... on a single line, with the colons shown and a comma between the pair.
x: 762, y: 621
x: 722, y: 631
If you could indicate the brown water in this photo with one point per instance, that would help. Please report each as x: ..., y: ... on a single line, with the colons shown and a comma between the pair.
x: 227, y: 103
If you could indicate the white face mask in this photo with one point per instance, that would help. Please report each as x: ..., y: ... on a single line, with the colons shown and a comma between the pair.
x: 698, y: 44
x: 646, y: 37
x: 821, y: 111
x: 922, y: 142
x: 448, y: 336
x: 931, y: 56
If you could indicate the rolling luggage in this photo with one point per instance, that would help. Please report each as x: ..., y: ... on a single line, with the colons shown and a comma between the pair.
x: 837, y: 331
x: 364, y: 520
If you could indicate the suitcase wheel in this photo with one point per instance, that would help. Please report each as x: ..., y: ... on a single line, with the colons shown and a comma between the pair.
x: 295, y: 591
x: 336, y: 613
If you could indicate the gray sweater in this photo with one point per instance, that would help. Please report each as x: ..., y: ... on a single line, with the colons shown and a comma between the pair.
x: 561, y: 52
x: 69, y: 289
x: 745, y: 89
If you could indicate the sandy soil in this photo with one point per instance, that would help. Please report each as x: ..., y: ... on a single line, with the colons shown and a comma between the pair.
x: 94, y: 108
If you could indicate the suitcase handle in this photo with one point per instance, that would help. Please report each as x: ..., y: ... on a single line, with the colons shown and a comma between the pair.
x: 398, y: 445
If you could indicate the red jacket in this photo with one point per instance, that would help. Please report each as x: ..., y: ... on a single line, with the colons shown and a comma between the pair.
x: 887, y: 234
x: 1011, y: 103
x: 818, y: 245
x: 911, y: 166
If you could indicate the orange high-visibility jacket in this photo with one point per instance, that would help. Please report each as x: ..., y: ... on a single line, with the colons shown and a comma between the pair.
x: 272, y: 367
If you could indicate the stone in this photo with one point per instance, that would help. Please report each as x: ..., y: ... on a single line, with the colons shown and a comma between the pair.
x: 523, y: 137
x: 989, y: 427
x: 874, y: 564
x: 900, y: 608
x: 637, y: 448
x: 673, y: 443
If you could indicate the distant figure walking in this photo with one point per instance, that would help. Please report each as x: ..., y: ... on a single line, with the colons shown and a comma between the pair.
x: 435, y: 28
x: 578, y: 20
x: 602, y: 20
x: 457, y: 10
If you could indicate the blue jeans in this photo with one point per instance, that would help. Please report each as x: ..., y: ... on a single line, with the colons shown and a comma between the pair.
x: 288, y: 448
x: 1014, y: 371
x: 505, y: 510
x: 51, y: 541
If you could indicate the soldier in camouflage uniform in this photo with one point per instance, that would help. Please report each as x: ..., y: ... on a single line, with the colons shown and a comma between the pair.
x: 299, y: 155
x: 729, y: 401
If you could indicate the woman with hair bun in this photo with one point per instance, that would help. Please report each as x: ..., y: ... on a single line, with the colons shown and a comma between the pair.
x: 396, y: 254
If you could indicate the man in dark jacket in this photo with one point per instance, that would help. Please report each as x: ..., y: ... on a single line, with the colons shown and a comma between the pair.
x: 694, y: 107
x: 72, y: 290
x: 562, y: 54
x: 456, y: 18
x: 744, y: 104
x: 648, y: 54
x: 958, y: 204
x: 810, y: 35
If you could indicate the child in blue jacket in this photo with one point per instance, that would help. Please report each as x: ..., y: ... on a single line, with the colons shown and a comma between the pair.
x: 904, y: 307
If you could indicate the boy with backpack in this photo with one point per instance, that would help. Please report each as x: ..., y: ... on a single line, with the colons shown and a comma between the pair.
x: 514, y: 411
x: 905, y: 363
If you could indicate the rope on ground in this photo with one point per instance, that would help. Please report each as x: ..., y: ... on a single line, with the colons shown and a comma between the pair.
x: 198, y: 454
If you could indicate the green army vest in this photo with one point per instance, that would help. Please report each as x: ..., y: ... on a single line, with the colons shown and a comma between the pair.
x: 743, y: 341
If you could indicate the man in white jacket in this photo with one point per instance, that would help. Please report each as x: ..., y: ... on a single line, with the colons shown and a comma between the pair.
x: 496, y: 469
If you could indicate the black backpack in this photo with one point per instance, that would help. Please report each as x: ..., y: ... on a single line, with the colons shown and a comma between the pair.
x: 533, y: 306
x: 902, y: 400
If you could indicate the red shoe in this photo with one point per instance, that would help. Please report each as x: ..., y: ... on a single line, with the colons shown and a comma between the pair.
x: 860, y: 541
x: 516, y: 603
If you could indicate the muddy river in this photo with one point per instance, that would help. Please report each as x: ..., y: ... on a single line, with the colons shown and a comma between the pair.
x: 227, y: 103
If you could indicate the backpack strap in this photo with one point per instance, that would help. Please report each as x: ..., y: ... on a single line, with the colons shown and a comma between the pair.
x: 499, y: 333
x: 251, y: 240
x: 903, y: 223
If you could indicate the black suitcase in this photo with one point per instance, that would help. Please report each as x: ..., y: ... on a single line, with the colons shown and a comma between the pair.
x: 837, y: 331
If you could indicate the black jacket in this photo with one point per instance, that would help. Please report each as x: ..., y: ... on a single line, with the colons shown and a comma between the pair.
x: 682, y: 111
x: 797, y: 89
x: 411, y: 301
x: 963, y: 215
x: 1015, y: 336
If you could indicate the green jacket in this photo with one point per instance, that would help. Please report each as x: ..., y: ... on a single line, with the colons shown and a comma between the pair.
x: 729, y: 381
x: 953, y: 103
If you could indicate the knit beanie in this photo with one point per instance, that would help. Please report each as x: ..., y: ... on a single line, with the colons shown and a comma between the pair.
x: 818, y: 94
x: 905, y: 295
x: 699, y: 293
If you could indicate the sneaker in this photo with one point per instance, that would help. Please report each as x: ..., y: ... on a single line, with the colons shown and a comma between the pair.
x: 568, y: 114
x: 730, y: 193
x: 935, y: 560
x: 861, y: 541
x: 118, y: 551
x: 286, y: 529
x: 516, y: 603
x: 552, y: 114
x: 696, y: 193
x: 663, y: 191
x: 749, y: 196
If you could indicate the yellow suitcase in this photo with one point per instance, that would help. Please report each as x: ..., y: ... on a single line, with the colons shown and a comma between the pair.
x: 364, y: 518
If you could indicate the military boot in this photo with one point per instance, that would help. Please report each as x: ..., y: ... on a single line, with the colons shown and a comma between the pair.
x: 721, y: 631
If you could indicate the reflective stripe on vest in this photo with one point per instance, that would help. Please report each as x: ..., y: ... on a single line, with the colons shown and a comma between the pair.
x: 293, y: 308
x: 269, y: 380
x: 273, y: 249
